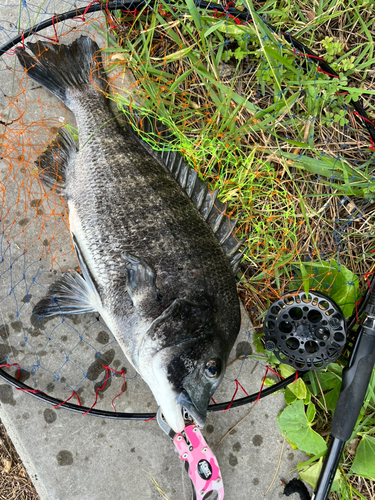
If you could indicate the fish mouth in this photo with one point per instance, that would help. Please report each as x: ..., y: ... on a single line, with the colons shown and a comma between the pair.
x: 186, y: 403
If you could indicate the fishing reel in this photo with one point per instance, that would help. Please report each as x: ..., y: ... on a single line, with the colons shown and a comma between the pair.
x: 305, y: 332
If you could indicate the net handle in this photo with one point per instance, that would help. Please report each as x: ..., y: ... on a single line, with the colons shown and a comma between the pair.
x: 58, y: 18
x: 45, y: 398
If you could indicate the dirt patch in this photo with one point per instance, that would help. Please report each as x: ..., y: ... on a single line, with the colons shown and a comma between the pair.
x: 14, y: 480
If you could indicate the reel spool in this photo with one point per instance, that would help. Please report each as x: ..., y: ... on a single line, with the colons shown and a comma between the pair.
x: 306, y: 333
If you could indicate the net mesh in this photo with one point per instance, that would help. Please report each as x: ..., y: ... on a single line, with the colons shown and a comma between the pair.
x: 258, y: 119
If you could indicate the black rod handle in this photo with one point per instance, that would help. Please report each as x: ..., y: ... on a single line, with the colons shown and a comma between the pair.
x: 355, y: 380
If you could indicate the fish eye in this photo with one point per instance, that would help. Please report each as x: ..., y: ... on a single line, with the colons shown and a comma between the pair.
x: 212, y: 369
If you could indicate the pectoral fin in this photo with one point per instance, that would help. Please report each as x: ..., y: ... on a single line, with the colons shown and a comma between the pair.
x: 84, y: 267
x: 141, y: 278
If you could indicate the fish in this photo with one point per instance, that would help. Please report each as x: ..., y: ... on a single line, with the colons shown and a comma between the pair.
x: 157, y: 253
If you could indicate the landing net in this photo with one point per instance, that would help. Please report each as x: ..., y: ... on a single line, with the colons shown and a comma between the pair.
x: 259, y: 118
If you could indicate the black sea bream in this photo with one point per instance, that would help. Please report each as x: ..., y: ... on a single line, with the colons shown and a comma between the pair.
x: 157, y: 253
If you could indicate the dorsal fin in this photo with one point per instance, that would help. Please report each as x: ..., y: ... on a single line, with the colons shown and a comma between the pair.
x: 211, y: 209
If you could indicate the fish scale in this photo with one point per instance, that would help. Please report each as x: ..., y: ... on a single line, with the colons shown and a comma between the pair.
x: 151, y: 260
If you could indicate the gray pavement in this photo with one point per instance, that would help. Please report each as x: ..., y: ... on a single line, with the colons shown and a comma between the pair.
x: 74, y: 457
x: 70, y: 456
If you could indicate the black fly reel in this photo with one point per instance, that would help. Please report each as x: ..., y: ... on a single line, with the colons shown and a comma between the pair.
x: 306, y: 333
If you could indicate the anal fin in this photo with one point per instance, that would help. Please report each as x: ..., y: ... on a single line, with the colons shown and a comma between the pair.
x: 54, y: 160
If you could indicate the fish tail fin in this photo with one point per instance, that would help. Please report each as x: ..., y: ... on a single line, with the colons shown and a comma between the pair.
x: 64, y: 68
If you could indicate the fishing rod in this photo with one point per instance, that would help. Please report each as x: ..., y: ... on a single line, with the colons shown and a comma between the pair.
x: 355, y: 381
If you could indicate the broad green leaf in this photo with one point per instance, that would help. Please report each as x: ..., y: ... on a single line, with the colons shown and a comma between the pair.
x: 327, y: 380
x: 310, y: 461
x: 332, y: 396
x: 295, y: 426
x: 233, y: 30
x: 298, y: 388
x: 289, y: 396
x: 364, y: 461
x: 330, y: 384
x: 311, y: 475
x: 310, y: 412
x: 333, y: 279
x: 269, y: 382
x: 307, y: 398
x: 258, y: 343
x: 286, y: 370
x: 336, y: 369
x: 313, y: 385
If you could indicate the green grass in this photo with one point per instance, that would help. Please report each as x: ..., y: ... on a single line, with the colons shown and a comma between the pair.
x: 278, y: 139
x: 269, y: 135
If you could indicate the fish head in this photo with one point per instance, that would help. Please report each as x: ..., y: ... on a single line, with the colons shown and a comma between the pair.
x: 189, y: 362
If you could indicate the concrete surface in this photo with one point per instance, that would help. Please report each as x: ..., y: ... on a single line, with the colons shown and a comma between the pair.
x: 74, y: 457
x: 70, y: 456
